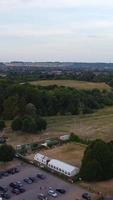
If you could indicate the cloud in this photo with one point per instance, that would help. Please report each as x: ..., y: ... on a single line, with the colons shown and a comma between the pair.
x: 30, y: 31
x: 100, y: 28
x: 16, y: 4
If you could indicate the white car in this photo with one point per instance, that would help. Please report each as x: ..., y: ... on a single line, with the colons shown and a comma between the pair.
x: 42, y: 197
x: 52, y: 193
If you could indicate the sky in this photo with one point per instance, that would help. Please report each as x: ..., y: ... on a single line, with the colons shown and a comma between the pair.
x: 56, y: 30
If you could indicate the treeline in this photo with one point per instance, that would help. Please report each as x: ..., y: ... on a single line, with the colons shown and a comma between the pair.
x: 51, y: 100
x: 80, y: 74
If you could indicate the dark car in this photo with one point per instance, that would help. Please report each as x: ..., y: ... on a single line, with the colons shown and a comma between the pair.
x: 86, y: 196
x: 1, y: 175
x: 5, y: 173
x: 13, y: 170
x: 5, y: 195
x: 32, y: 178
x: 28, y: 180
x: 16, y: 191
x: 61, y: 191
x: 41, y: 176
x: 3, y: 189
x: 21, y: 189
x: 13, y: 185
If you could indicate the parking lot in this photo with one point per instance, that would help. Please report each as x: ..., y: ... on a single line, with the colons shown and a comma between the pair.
x: 73, y: 192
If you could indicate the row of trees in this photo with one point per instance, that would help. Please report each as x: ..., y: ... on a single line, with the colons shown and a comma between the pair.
x: 51, y: 100
x: 29, y: 124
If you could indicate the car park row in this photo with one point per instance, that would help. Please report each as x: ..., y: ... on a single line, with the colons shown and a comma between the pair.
x: 32, y: 183
x: 8, y: 172
x: 19, y: 187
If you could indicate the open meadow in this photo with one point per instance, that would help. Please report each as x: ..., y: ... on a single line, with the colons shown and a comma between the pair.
x: 72, y: 83
x: 92, y: 126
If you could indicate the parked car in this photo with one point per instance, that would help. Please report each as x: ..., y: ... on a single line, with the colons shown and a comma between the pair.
x: 61, y: 191
x: 5, y: 173
x: 5, y: 195
x: 3, y: 189
x: 52, y: 193
x: 86, y: 196
x: 32, y: 178
x: 22, y: 189
x: 19, y: 184
x: 1, y: 175
x: 13, y: 185
x: 41, y: 176
x: 13, y: 170
x: 28, y: 180
x: 16, y: 191
x: 42, y: 197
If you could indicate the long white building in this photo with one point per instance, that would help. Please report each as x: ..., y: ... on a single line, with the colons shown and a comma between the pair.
x: 63, y: 167
x: 57, y: 165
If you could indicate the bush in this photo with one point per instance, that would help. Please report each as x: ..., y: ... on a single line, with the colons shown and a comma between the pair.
x: 7, y: 153
x: 2, y: 125
x: 76, y: 138
x: 29, y: 124
x: 41, y: 124
x: 16, y: 124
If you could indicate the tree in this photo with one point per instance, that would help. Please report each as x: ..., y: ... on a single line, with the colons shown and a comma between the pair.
x: 2, y: 125
x: 97, y: 154
x: 41, y: 124
x: 17, y: 124
x: 7, y: 153
x: 91, y: 171
x: 29, y: 125
x: 10, y: 107
x: 22, y: 106
x: 31, y: 110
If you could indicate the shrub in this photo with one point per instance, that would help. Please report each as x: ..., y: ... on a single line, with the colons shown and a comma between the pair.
x: 7, y: 153
x: 16, y: 124
x: 2, y: 125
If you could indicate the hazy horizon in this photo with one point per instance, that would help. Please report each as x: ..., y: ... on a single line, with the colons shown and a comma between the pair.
x: 56, y: 31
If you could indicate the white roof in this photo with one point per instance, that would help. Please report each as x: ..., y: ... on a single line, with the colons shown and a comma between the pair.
x: 39, y: 156
x: 62, y: 165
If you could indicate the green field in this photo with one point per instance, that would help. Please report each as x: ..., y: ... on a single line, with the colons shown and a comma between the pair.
x: 72, y: 83
x: 97, y: 125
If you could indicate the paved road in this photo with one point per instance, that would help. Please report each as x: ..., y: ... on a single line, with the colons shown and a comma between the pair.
x: 73, y: 192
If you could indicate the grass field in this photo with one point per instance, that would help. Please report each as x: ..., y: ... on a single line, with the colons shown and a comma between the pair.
x: 97, y: 125
x: 72, y: 83
x: 92, y: 126
x: 71, y: 153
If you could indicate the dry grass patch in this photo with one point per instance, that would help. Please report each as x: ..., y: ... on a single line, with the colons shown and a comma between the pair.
x: 72, y: 83
x: 71, y: 153
x: 105, y: 187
